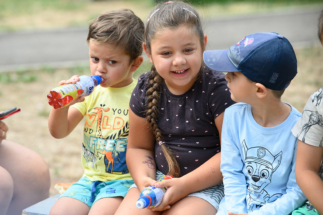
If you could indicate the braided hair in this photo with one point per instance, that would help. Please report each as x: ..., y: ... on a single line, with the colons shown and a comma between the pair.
x: 169, y: 15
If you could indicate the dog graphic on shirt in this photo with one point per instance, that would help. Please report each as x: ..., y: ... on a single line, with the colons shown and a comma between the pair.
x: 260, y: 165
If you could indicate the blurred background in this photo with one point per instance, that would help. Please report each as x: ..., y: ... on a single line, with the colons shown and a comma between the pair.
x: 44, y: 41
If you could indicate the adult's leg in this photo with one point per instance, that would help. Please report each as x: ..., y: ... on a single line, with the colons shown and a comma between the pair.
x: 30, y: 174
x: 6, y: 190
x: 128, y: 205
x: 106, y: 206
x: 191, y: 205
x: 70, y: 206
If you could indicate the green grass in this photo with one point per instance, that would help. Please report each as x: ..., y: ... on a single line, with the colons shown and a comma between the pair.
x: 25, y: 76
x: 31, y: 75
x: 144, y: 67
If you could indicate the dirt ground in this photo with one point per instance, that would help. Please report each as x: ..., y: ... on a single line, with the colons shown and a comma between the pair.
x: 29, y: 127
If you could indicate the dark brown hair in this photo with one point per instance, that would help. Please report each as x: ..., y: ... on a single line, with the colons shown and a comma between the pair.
x: 320, y: 32
x: 121, y: 28
x: 278, y: 93
x: 168, y: 15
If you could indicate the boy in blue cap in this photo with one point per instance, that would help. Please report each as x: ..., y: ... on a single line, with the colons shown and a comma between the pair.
x: 258, y: 150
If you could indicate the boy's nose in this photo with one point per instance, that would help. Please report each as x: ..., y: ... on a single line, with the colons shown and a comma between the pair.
x: 101, y: 68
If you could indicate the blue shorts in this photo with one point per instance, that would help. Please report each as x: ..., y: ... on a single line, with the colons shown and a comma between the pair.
x: 212, y: 195
x: 89, y: 192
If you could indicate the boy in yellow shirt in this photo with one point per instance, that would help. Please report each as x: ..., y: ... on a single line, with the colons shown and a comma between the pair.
x: 115, y: 50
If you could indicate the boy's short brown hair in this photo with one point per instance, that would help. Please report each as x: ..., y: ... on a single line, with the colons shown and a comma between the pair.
x: 121, y: 28
x: 320, y: 32
x: 278, y: 93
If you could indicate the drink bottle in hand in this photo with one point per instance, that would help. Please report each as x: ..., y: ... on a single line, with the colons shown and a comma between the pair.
x: 152, y: 196
x: 61, y: 96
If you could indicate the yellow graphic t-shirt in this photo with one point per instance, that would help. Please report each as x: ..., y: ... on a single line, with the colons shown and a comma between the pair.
x: 106, y: 131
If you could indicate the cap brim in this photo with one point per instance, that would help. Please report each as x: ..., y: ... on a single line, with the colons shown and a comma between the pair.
x: 218, y: 60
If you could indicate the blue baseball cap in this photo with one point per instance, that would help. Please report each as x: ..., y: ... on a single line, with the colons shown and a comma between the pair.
x: 266, y: 58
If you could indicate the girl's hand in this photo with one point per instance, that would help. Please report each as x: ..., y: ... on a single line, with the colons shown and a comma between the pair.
x: 176, y: 190
x: 146, y: 182
x: 72, y: 80
x: 3, y: 131
x: 230, y: 213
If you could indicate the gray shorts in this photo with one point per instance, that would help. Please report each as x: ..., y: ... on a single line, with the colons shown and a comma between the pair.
x: 212, y: 195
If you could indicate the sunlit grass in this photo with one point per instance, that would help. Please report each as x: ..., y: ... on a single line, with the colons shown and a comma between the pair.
x: 309, y: 77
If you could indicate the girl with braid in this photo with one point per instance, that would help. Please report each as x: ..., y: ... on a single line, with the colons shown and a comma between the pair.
x: 175, y: 118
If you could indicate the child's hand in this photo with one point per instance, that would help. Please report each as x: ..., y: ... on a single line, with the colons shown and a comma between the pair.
x: 176, y: 190
x: 146, y: 182
x: 230, y: 213
x: 72, y: 80
x: 3, y: 131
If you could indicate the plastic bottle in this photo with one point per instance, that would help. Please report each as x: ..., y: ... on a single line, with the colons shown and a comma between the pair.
x: 152, y: 196
x: 61, y: 96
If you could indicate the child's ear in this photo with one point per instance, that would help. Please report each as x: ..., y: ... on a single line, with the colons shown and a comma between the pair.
x: 205, y: 41
x: 144, y: 46
x: 262, y: 91
x: 136, y: 63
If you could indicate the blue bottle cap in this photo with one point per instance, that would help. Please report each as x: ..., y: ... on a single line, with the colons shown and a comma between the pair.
x: 97, y: 78
x: 142, y: 202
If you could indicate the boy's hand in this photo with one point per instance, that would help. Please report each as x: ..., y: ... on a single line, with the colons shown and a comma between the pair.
x: 72, y: 80
x: 176, y: 190
x: 3, y: 131
x: 230, y: 213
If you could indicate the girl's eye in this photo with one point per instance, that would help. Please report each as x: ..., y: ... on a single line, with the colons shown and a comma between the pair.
x: 95, y: 59
x: 166, y: 53
x: 112, y: 61
x: 188, y: 50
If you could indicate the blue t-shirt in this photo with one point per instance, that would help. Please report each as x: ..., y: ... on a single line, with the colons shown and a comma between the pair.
x: 258, y: 164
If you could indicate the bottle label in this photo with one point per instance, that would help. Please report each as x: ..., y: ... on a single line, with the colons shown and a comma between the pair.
x: 87, y: 84
x: 61, y: 96
x: 67, y: 89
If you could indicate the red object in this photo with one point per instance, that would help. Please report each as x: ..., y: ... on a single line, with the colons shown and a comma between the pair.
x: 79, y: 92
x: 55, y: 99
x: 16, y: 111
x: 168, y: 177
